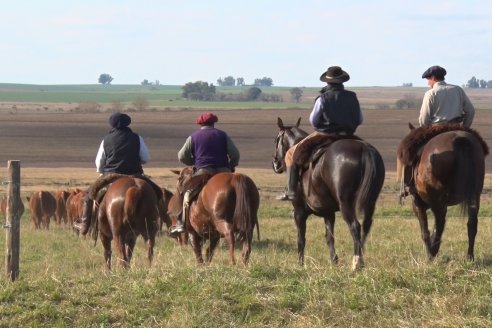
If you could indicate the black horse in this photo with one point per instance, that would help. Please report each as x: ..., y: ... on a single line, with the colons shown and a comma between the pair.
x: 347, y: 177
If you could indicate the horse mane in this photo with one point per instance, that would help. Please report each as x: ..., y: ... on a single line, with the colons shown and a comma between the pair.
x: 410, y: 145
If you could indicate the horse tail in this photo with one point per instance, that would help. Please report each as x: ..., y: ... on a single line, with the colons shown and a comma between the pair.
x: 467, y: 184
x: 372, y: 165
x: 244, y: 219
x: 132, y: 197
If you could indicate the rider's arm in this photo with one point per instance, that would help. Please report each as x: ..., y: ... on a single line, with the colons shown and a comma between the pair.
x: 468, y: 110
x: 185, y: 155
x: 100, y: 158
x: 233, y: 153
x: 144, y: 152
x: 316, y: 114
x: 425, y: 110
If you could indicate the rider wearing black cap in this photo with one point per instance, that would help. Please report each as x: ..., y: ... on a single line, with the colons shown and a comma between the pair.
x: 444, y: 103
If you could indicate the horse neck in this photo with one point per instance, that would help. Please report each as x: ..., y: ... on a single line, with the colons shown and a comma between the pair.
x: 297, y: 135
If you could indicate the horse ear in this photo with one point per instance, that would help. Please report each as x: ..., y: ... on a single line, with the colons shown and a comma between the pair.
x: 410, y: 126
x: 298, y: 122
x: 280, y: 123
x: 177, y: 172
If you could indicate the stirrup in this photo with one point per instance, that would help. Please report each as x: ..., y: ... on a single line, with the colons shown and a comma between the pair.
x: 174, y: 231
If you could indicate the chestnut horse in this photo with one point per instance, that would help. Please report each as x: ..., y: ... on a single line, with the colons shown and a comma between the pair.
x: 347, y: 177
x: 129, y: 209
x: 449, y: 171
x: 227, y: 206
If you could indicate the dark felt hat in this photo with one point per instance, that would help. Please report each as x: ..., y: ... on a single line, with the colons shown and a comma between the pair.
x: 334, y: 74
x: 437, y: 71
x: 119, y: 120
x: 207, y: 118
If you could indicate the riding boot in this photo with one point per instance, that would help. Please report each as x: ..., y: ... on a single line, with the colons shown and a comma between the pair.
x: 85, y: 220
x: 292, y: 182
x: 179, y: 226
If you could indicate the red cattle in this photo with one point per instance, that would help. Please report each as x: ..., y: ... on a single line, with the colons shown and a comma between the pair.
x: 43, y: 207
x: 75, y: 206
x: 3, y: 207
x: 61, y: 197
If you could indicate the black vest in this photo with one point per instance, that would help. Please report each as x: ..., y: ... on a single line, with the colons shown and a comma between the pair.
x: 341, y: 111
x: 122, y: 149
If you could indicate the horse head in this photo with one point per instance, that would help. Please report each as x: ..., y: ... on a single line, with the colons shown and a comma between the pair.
x: 287, y: 137
x: 184, y: 177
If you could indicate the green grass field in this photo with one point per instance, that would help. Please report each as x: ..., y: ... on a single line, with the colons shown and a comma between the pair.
x: 63, y: 283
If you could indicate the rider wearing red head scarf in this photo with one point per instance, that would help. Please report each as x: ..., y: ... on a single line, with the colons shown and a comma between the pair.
x: 210, y: 151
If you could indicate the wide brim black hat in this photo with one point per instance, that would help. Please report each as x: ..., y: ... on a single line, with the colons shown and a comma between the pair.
x: 334, y: 74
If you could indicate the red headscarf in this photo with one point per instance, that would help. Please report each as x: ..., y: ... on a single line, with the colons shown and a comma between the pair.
x: 207, y: 118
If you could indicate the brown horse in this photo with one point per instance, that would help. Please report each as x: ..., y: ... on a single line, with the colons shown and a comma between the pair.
x: 227, y: 206
x: 347, y: 177
x: 449, y: 171
x: 129, y: 209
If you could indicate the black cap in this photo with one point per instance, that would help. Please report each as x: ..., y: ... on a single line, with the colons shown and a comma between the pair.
x: 437, y: 71
x: 119, y: 120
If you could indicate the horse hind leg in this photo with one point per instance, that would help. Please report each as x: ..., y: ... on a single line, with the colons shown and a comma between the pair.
x: 330, y: 236
x: 472, y: 227
x: 106, y: 242
x: 420, y: 212
x: 196, y: 245
x: 440, y: 222
x: 247, y: 240
x: 348, y: 214
x: 214, y: 241
x: 120, y: 250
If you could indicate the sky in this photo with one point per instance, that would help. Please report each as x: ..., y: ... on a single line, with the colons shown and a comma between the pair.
x: 379, y: 43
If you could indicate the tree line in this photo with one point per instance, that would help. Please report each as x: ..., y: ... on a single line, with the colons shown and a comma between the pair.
x: 476, y: 83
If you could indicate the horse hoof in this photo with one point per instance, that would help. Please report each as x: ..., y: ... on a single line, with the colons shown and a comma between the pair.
x: 357, y: 263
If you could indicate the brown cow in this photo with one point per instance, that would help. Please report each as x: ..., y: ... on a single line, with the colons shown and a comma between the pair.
x: 75, y: 207
x: 3, y: 207
x: 43, y: 207
x: 61, y: 197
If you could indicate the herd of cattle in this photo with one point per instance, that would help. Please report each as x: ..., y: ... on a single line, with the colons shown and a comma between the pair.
x: 65, y: 207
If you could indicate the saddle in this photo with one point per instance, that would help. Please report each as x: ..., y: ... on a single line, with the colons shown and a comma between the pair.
x: 98, y: 189
x: 312, y: 153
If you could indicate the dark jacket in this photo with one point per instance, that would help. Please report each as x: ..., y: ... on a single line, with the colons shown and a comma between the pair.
x: 340, y: 111
x: 122, y: 147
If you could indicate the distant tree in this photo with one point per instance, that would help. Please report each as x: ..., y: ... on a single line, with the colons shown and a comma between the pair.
x: 105, y: 78
x: 227, y: 81
x: 198, y: 91
x: 263, y: 82
x: 240, y: 81
x: 157, y: 82
x: 407, y: 85
x: 296, y: 94
x: 473, y: 83
x: 489, y: 84
x: 253, y: 93
x: 483, y: 84
x: 145, y: 82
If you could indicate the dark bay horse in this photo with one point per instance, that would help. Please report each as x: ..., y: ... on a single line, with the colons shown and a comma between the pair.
x: 347, y: 177
x: 227, y: 206
x: 449, y: 171
x: 129, y: 209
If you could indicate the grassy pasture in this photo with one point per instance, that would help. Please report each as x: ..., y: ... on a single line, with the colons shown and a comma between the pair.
x: 63, y: 283
x: 169, y: 96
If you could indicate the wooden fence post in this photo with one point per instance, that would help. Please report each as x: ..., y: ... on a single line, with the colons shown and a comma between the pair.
x: 12, y: 223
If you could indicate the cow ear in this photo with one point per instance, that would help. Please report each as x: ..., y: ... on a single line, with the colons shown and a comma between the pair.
x: 410, y: 126
x: 280, y: 123
x: 176, y: 172
x: 298, y: 122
